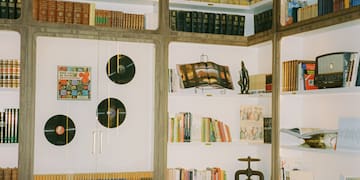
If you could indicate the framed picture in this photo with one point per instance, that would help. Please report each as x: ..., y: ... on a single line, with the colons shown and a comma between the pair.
x: 73, y: 83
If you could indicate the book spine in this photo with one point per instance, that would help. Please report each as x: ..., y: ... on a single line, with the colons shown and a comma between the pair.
x: 69, y: 12
x: 60, y: 11
x: 4, y: 10
x: 236, y: 25
x: 187, y: 21
x: 77, y: 12
x: 194, y: 21
x: 11, y: 9
x: 229, y: 25
x: 217, y: 23
x: 35, y: 11
x: 200, y: 18
x: 85, y: 13
x: 223, y: 24
x: 2, y: 74
x: 43, y: 5
x: 18, y: 6
x: 205, y: 23
x: 51, y: 11
x: 180, y: 20
x: 2, y: 128
x: 242, y: 26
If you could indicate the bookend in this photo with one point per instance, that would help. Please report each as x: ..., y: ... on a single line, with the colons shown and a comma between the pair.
x: 248, y: 172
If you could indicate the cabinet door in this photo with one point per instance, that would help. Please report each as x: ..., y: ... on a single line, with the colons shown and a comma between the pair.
x: 78, y: 154
x: 129, y: 146
x: 97, y: 147
x: 10, y: 50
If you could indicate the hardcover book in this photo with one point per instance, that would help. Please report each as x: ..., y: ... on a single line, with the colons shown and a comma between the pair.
x: 203, y: 74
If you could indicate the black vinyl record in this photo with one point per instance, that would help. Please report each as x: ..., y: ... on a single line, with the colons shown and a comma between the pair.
x: 59, y: 130
x: 120, y: 69
x: 111, y: 113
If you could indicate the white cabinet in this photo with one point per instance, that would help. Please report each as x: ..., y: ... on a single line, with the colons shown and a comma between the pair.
x: 223, y: 105
x: 320, y: 108
x: 95, y: 148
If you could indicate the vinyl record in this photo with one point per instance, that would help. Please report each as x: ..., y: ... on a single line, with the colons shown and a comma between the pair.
x: 111, y: 113
x: 59, y: 130
x: 120, y: 69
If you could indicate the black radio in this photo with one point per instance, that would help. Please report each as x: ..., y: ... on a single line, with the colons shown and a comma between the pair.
x: 331, y: 69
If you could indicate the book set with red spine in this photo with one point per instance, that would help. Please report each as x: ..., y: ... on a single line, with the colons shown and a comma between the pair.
x: 69, y: 12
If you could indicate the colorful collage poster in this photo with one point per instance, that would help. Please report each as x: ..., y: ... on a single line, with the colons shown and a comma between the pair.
x: 74, y: 83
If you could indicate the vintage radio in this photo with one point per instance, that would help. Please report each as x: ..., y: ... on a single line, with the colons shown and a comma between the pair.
x: 332, y: 69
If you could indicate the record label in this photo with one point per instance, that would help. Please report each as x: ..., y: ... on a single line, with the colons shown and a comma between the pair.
x: 111, y: 113
x: 59, y: 130
x: 120, y: 69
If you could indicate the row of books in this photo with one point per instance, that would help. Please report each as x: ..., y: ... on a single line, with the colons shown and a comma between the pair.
x: 237, y: 2
x: 69, y: 12
x: 300, y: 75
x: 9, y: 73
x: 297, y: 10
x: 10, y: 9
x: 213, y: 130
x: 8, y: 173
x: 185, y: 128
x: 263, y: 21
x: 205, y: 22
x: 214, y: 173
x: 9, y: 125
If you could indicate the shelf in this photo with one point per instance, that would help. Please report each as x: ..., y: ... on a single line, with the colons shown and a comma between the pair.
x: 342, y: 16
x: 217, y: 93
x: 329, y: 91
x: 315, y: 150
x: 217, y: 7
x: 137, y: 2
x: 16, y: 90
x: 221, y: 38
x: 209, y: 144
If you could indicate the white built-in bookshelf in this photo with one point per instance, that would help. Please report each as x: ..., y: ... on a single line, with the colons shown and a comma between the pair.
x: 10, y: 49
x: 220, y: 104
x: 319, y: 108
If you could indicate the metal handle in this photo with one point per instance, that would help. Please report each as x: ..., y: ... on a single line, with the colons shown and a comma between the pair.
x: 101, y: 142
x: 94, y: 142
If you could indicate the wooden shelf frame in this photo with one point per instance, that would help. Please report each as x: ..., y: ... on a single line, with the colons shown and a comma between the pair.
x: 30, y: 29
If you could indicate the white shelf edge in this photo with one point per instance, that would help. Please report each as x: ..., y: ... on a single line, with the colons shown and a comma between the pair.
x: 217, y: 143
x: 317, y: 150
x: 339, y: 90
x: 3, y: 89
x: 231, y: 8
x: 218, y: 93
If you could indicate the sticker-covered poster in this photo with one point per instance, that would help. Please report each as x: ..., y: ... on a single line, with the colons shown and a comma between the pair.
x: 73, y: 82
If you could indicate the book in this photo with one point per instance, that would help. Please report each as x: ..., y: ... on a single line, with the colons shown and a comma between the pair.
x: 11, y: 9
x: 251, y: 124
x: 260, y: 83
x: 18, y: 7
x: 267, y: 129
x: 60, y: 11
x: 51, y: 11
x: 4, y: 11
x: 77, y: 13
x: 314, y: 137
x: 43, y: 5
x: 173, y: 19
x: 205, y: 74
x: 69, y: 12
